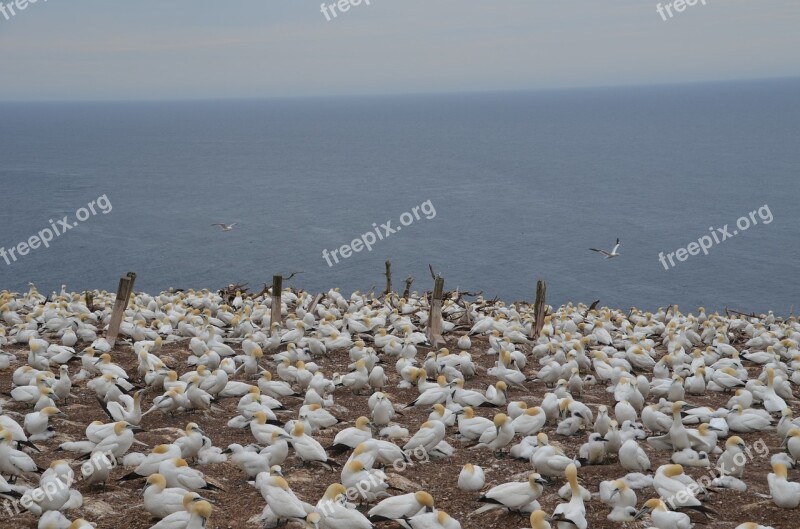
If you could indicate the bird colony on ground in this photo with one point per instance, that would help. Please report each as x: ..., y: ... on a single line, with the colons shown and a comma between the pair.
x: 343, y: 416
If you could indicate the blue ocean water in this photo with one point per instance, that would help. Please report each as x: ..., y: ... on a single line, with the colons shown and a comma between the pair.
x: 523, y: 184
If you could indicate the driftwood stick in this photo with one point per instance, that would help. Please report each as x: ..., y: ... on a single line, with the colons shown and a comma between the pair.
x: 314, y: 303
x: 728, y: 312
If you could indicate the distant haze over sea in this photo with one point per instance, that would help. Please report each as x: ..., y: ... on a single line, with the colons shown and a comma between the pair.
x: 523, y: 184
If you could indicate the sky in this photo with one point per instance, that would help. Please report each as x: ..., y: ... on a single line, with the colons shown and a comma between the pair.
x: 201, y: 49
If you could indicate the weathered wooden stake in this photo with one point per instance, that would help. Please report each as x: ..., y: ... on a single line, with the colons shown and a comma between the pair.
x: 407, y: 290
x: 90, y: 301
x: 277, y: 287
x: 435, y: 318
x: 539, y: 308
x: 120, y: 305
x: 388, y: 279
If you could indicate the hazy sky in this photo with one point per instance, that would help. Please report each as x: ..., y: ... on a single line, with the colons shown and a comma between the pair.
x: 168, y: 49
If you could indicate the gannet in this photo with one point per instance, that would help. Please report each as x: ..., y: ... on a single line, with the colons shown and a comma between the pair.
x: 514, y: 496
x: 609, y: 255
x: 471, y: 478
x: 571, y: 515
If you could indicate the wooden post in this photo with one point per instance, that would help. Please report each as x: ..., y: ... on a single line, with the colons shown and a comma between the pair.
x: 120, y: 305
x: 277, y: 287
x: 388, y: 279
x: 435, y: 317
x: 539, y: 308
x: 407, y: 290
x: 90, y: 301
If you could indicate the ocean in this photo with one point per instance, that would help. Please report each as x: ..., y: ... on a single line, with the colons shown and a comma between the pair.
x: 522, y: 185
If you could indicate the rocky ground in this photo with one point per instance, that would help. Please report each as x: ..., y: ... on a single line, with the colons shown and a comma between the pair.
x: 119, y: 506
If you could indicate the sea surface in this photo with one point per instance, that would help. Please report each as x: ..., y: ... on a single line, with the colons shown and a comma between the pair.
x: 522, y: 185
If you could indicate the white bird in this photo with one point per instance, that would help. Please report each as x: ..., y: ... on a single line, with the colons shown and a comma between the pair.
x: 401, y: 507
x: 37, y: 423
x: 663, y: 518
x: 161, y: 501
x: 530, y: 422
x: 518, y: 496
x: 353, y: 436
x: 334, y: 515
x: 430, y: 434
x: 632, y: 457
x: 251, y: 462
x: 280, y: 497
x: 676, y: 488
x: 226, y: 227
x: 571, y: 515
x: 195, y: 517
x: 471, y: 427
x: 307, y: 448
x: 471, y: 478
x: 178, y: 473
x: 785, y: 494
x: 622, y: 499
x: 13, y: 462
x: 609, y: 255
x: 433, y: 520
x: 499, y: 436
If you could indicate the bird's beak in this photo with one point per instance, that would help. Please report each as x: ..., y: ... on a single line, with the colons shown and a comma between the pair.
x: 641, y: 513
x: 615, y: 491
x: 540, y: 481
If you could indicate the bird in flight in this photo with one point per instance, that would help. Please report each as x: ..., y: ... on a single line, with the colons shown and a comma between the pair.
x: 226, y: 227
x: 609, y: 255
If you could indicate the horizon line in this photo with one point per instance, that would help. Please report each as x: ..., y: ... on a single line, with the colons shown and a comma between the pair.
x: 570, y: 88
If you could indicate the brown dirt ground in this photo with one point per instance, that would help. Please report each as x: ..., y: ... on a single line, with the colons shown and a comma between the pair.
x: 119, y: 505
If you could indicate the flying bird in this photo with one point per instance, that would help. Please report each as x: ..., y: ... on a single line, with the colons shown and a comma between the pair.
x: 226, y: 227
x: 611, y: 254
